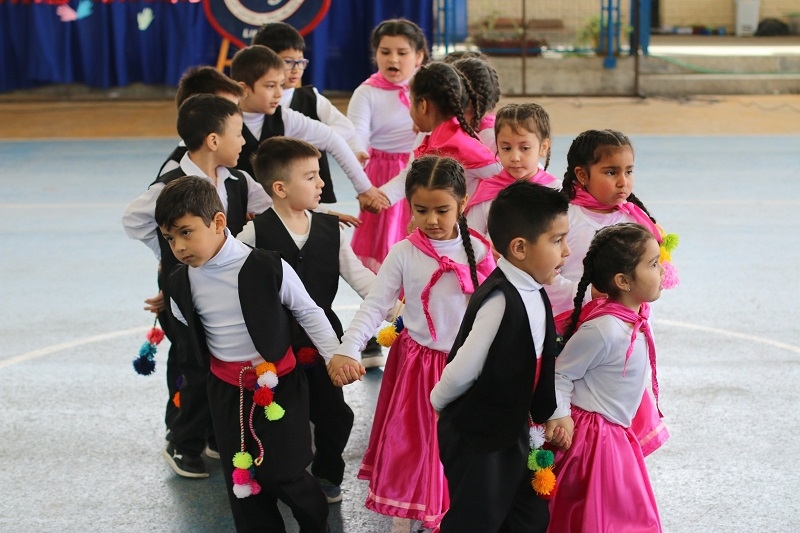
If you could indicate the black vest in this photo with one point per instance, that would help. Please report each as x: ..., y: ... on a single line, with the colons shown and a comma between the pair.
x: 491, y: 413
x: 267, y: 319
x: 236, y: 216
x: 304, y: 100
x: 273, y: 127
x: 176, y: 155
x: 317, y: 264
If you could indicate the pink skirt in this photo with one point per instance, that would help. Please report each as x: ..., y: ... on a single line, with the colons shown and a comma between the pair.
x: 648, y: 425
x: 377, y: 233
x: 603, y: 484
x: 406, y: 478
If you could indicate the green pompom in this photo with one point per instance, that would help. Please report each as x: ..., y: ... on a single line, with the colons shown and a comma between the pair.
x: 544, y: 458
x: 242, y: 460
x: 532, y: 464
x: 274, y: 411
x: 670, y: 241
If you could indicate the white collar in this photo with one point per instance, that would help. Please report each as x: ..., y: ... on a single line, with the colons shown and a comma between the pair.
x: 191, y: 169
x: 521, y: 280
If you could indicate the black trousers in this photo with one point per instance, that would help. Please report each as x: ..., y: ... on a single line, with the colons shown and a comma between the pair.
x: 333, y: 421
x: 171, y: 411
x: 287, y: 452
x: 489, y: 491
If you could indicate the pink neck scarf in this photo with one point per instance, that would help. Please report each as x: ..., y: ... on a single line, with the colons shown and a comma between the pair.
x: 484, y: 268
x: 584, y: 199
x: 377, y: 80
x: 487, y: 122
x: 450, y: 140
x: 489, y: 189
x: 604, y: 306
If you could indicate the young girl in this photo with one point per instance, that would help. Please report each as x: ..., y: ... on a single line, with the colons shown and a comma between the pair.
x: 439, y: 95
x: 599, y: 185
x: 600, y: 377
x: 523, y: 139
x: 483, y: 79
x: 385, y: 133
x: 438, y: 267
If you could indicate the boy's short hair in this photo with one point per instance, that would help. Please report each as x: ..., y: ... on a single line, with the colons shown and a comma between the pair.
x: 251, y: 63
x: 274, y: 158
x: 523, y: 209
x: 201, y: 115
x: 187, y: 195
x: 205, y: 80
x: 279, y: 36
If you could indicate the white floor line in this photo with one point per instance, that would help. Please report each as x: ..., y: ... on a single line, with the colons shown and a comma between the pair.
x: 729, y: 333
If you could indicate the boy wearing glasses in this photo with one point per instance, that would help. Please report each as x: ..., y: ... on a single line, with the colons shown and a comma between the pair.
x: 261, y: 73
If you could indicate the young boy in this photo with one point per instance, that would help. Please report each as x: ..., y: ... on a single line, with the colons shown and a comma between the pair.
x: 210, y: 127
x: 287, y: 42
x: 235, y: 305
x: 315, y: 246
x: 500, y: 372
x: 260, y: 72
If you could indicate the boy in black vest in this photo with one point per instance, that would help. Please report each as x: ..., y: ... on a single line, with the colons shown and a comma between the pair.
x: 261, y: 73
x: 287, y: 42
x: 500, y: 373
x: 316, y: 248
x: 210, y: 127
x: 235, y: 304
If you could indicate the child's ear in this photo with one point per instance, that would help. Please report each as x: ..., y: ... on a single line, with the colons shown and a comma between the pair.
x: 517, y: 248
x: 244, y: 86
x: 544, y: 147
x: 279, y: 189
x: 621, y: 282
x: 212, y: 141
x: 463, y: 204
x: 219, y: 222
x: 582, y: 175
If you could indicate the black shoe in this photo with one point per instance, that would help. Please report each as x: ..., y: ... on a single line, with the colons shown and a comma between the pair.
x: 211, y: 450
x: 372, y: 356
x: 185, y: 465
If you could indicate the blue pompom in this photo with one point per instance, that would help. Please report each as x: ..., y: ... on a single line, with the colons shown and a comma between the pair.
x: 144, y: 365
x: 398, y: 324
x: 147, y: 349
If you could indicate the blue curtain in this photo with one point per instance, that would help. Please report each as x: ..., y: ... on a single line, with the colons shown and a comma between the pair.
x: 109, y: 44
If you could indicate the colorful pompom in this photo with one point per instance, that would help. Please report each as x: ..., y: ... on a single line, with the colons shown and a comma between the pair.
x: 255, y: 488
x: 155, y: 335
x: 274, y: 412
x: 147, y: 350
x: 664, y: 255
x: 532, y: 464
x: 544, y: 458
x: 670, y: 241
x: 263, y: 396
x: 671, y: 279
x: 537, y: 436
x: 398, y: 324
x: 144, y: 365
x: 544, y: 481
x: 242, y: 460
x: 386, y: 336
x: 241, y: 476
x: 268, y: 380
x: 243, y: 491
x: 307, y: 356
x: 265, y: 367
x: 176, y: 399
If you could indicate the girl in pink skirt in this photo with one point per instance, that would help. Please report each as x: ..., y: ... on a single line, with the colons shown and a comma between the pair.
x: 601, y: 375
x: 385, y: 132
x: 438, y: 267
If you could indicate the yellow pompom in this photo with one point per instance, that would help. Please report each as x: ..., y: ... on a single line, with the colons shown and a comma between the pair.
x: 386, y: 336
x: 274, y: 412
x: 544, y: 481
x: 265, y: 367
x: 664, y: 255
x: 242, y: 460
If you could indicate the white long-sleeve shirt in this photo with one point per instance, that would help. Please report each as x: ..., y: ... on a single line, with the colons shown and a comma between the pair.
x: 138, y: 218
x: 409, y: 268
x: 381, y: 121
x: 328, y: 114
x: 460, y: 374
x: 314, y: 132
x: 590, y: 367
x: 215, y: 296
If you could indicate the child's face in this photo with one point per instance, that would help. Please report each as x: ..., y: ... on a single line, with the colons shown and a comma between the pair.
x: 610, y: 180
x: 542, y: 260
x: 436, y: 212
x: 648, y: 276
x: 194, y: 243
x: 303, y: 188
x: 293, y: 72
x: 228, y: 145
x: 265, y: 95
x: 396, y: 58
x: 519, y: 152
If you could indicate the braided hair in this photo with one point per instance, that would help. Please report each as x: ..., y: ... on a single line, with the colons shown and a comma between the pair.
x: 615, y: 249
x: 444, y: 173
x: 447, y: 90
x: 483, y: 79
x: 587, y: 149
x: 528, y: 117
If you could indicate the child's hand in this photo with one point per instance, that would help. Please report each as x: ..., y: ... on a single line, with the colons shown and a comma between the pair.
x: 346, y: 220
x: 344, y: 370
x: 249, y: 217
x: 156, y: 304
x: 559, y: 431
x: 373, y: 200
x: 363, y: 158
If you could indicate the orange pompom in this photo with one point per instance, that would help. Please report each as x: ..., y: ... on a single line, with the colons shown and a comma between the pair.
x: 544, y: 481
x: 265, y: 367
x: 176, y: 400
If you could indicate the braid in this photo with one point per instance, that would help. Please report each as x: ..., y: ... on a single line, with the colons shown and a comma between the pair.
x: 465, y: 238
x: 583, y: 284
x: 472, y: 98
x: 547, y: 159
x: 446, y: 89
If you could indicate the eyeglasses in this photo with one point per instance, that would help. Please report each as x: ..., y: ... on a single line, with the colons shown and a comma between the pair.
x: 301, y: 64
